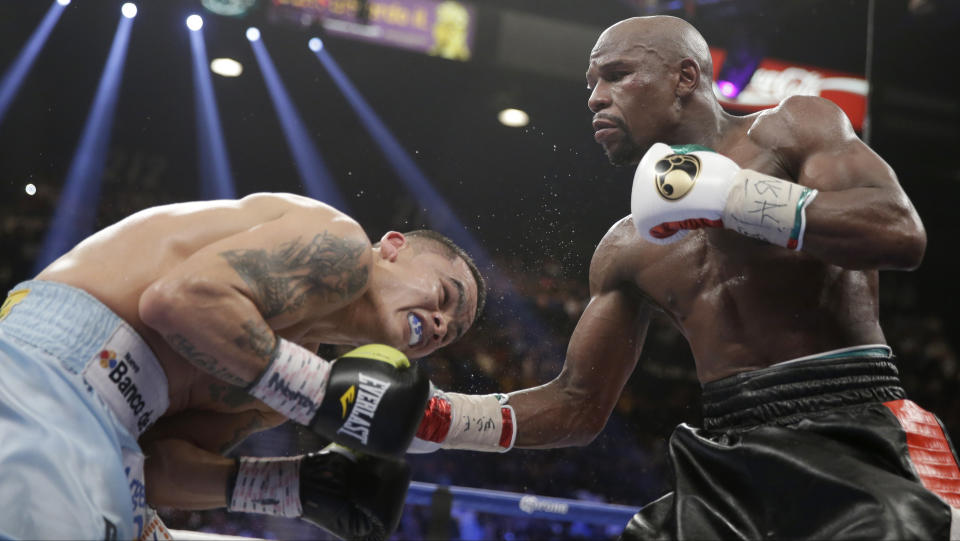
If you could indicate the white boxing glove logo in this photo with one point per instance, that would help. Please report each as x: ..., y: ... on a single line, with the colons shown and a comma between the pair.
x: 676, y: 175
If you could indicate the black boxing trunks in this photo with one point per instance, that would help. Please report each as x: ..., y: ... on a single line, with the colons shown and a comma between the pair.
x: 824, y: 447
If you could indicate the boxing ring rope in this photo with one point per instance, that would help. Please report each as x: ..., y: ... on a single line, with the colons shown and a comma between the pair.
x: 512, y: 504
x: 187, y: 535
x: 442, y: 498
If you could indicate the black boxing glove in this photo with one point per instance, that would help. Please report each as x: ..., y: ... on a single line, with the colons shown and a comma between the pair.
x: 353, y: 496
x: 370, y: 399
x: 374, y: 401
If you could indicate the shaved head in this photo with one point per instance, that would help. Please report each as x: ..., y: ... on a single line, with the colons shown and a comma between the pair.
x: 650, y: 80
x: 662, y: 39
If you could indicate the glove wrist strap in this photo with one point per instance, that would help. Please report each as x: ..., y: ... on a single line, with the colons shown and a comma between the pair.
x: 768, y: 208
x: 294, y: 382
x: 269, y: 486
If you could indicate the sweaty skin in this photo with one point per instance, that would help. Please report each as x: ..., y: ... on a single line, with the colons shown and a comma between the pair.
x: 741, y: 304
x: 210, y: 285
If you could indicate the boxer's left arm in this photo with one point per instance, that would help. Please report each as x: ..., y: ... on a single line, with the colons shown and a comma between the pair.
x: 574, y: 407
x: 862, y: 218
x: 185, y: 466
x: 216, y: 432
x: 354, y: 496
x: 181, y: 475
x: 603, y: 351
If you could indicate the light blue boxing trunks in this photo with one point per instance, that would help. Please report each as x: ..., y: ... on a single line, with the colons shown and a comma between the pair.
x: 77, y: 388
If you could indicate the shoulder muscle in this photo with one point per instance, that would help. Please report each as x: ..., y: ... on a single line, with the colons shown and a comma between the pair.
x: 327, y: 263
x: 801, y: 125
x: 607, y: 269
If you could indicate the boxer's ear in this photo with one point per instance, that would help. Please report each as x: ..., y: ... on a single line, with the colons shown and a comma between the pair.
x: 689, y: 78
x: 390, y: 244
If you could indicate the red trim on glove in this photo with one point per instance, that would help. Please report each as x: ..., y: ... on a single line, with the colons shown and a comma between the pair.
x: 436, y: 421
x: 667, y: 229
x: 506, y: 433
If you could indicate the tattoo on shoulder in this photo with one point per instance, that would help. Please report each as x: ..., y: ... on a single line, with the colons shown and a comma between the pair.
x: 204, y: 361
x: 283, y: 278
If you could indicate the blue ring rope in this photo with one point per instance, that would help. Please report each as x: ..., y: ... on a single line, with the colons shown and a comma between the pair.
x: 525, y: 505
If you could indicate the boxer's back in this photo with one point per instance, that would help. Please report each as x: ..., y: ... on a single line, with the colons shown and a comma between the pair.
x: 118, y: 263
x: 742, y: 303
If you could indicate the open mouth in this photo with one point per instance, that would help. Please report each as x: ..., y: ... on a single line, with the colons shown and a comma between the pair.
x: 416, y: 329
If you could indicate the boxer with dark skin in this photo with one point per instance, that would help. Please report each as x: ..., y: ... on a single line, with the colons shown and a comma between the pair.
x: 745, y: 305
x: 741, y: 304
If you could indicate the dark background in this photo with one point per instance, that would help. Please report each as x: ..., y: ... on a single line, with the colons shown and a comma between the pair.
x: 537, y: 198
x: 541, y: 191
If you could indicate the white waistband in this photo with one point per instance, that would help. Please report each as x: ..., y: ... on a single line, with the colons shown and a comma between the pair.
x: 869, y: 350
x: 88, y: 338
x: 128, y: 378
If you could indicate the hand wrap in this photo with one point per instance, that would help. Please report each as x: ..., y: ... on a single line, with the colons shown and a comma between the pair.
x: 463, y: 421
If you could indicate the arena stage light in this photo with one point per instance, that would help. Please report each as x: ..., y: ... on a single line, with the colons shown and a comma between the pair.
x: 514, y: 118
x: 315, y: 44
x: 129, y: 10
x: 226, y: 67
x: 63, y: 2
x: 253, y: 33
x: 194, y: 22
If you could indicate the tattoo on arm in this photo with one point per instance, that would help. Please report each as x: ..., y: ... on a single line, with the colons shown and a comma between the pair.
x: 206, y: 362
x: 282, y: 279
x: 258, y: 338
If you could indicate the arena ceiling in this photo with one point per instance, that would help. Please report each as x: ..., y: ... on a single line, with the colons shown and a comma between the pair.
x: 542, y: 191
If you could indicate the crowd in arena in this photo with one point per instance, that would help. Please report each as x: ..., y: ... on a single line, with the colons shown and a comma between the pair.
x: 511, y: 349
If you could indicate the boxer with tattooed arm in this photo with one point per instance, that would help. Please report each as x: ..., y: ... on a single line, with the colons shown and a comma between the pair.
x: 160, y: 342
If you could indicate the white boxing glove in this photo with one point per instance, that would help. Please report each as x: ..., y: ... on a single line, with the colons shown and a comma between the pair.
x: 677, y: 189
x: 466, y: 421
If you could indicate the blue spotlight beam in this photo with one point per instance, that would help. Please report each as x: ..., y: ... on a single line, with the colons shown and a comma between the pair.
x: 17, y: 71
x: 75, y: 216
x: 313, y: 171
x: 216, y: 180
x: 441, y: 217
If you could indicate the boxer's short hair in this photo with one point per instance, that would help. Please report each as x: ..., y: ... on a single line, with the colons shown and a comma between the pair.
x: 441, y: 244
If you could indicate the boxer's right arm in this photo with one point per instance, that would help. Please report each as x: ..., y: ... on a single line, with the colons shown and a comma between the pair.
x: 218, y: 307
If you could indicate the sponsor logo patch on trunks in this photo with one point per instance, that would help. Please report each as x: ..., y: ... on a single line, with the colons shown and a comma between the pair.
x: 127, y: 377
